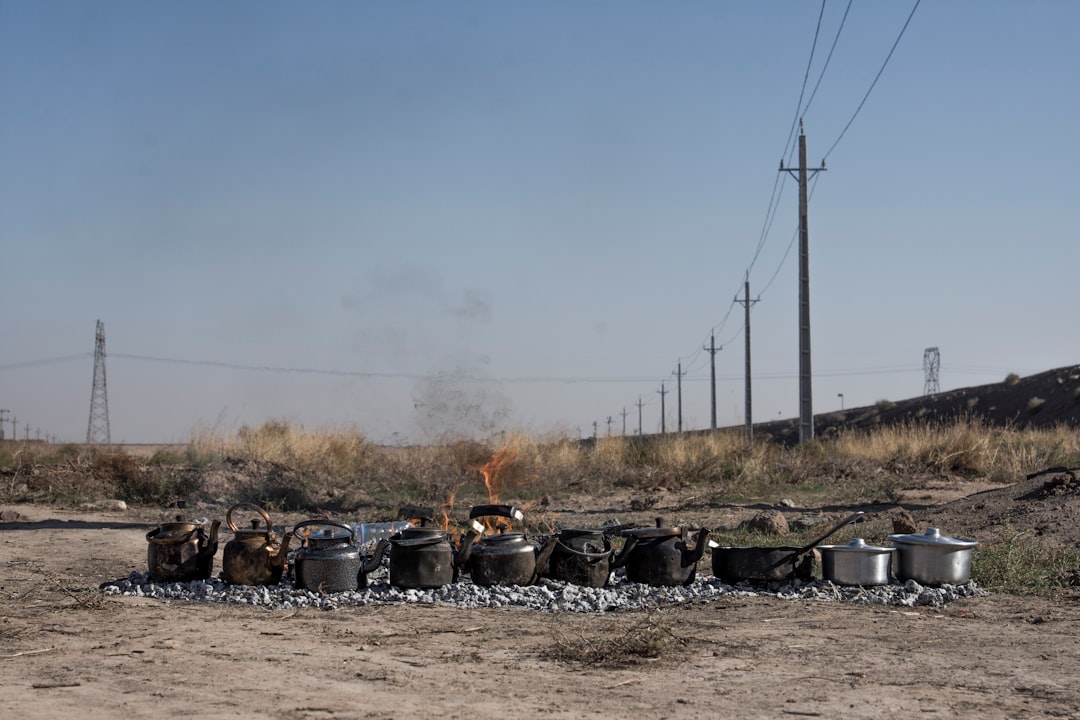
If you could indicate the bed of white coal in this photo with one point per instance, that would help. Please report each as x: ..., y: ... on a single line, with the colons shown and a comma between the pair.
x: 547, y: 595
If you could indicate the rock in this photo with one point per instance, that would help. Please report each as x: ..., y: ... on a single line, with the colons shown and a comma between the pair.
x: 770, y: 522
x: 903, y: 523
x: 805, y: 521
x: 12, y: 516
x: 787, y: 502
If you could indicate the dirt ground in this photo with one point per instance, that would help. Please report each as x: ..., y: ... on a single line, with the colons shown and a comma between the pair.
x: 67, y: 650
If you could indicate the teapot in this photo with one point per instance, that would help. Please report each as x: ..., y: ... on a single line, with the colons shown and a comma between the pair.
x: 506, y: 558
x: 329, y: 560
x: 422, y: 556
x: 181, y: 551
x: 661, y: 555
x: 254, y: 556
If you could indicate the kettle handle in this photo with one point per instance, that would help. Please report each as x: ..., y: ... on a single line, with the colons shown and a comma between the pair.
x: 256, y: 508
x: 506, y: 511
x: 305, y: 523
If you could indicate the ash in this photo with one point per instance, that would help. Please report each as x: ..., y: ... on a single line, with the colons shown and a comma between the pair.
x: 546, y: 596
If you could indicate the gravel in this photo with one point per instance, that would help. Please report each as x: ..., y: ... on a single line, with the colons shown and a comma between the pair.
x: 546, y: 596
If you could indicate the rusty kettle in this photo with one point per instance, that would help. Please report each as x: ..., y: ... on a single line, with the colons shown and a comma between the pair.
x: 181, y: 551
x: 255, y: 555
x: 662, y: 556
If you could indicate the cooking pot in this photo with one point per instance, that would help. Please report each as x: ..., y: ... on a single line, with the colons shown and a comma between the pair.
x: 255, y: 555
x: 506, y: 558
x: 932, y: 558
x: 329, y: 560
x: 856, y: 563
x: 770, y: 564
x: 661, y: 556
x: 425, y: 557
x: 181, y: 551
x: 586, y: 557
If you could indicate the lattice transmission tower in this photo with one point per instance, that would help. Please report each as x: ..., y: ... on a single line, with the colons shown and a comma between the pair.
x: 97, y: 430
x: 931, y: 363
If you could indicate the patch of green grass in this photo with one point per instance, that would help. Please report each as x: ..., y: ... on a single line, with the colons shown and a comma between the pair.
x: 1022, y: 564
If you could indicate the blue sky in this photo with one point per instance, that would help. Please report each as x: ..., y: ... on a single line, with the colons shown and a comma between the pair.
x: 429, y: 217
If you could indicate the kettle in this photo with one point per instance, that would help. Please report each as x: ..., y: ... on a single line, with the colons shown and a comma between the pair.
x: 181, y: 551
x: 329, y: 560
x: 255, y: 555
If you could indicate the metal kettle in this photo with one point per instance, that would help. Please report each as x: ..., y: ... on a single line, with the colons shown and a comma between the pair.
x: 661, y: 555
x: 329, y: 560
x: 181, y: 551
x: 255, y: 555
x: 506, y: 558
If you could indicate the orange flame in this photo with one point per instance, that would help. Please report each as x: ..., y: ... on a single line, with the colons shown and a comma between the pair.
x: 447, y: 506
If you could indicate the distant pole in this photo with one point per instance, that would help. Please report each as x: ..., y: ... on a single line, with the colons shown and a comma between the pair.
x: 26, y: 431
x: 610, y: 420
x: 679, y: 374
x: 595, y: 426
x: 624, y: 414
x: 712, y: 350
x: 749, y: 413
x: 2, y: 412
x: 841, y: 396
x: 662, y: 392
x: 806, y: 402
x: 639, y: 405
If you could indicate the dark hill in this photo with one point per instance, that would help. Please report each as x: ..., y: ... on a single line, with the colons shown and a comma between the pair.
x: 1046, y: 399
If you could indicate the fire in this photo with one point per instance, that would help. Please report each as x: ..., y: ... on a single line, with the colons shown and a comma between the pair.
x: 447, y: 506
x: 495, y: 470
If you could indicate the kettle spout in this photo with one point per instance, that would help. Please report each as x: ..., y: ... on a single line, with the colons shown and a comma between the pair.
x: 543, y: 556
x: 277, y: 559
x: 208, y: 545
x: 692, y: 555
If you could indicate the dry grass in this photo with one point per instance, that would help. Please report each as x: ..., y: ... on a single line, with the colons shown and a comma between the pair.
x: 596, y: 645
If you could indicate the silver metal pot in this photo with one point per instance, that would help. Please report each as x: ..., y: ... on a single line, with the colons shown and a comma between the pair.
x: 932, y: 558
x: 856, y: 563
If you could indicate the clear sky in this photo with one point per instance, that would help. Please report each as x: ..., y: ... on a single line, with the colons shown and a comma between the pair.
x: 416, y: 217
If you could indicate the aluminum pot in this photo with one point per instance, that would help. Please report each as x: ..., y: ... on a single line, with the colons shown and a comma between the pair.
x: 770, y: 564
x: 586, y: 557
x: 857, y: 563
x: 661, y: 556
x: 329, y: 560
x: 932, y: 558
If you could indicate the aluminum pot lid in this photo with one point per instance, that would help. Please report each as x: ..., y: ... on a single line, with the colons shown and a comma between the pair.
x: 858, y: 545
x: 933, y: 537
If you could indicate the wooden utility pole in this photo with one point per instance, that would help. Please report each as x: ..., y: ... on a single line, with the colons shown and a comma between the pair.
x: 749, y: 411
x: 679, y: 374
x: 663, y: 424
x: 806, y: 402
x: 624, y: 414
x: 639, y: 405
x: 712, y: 350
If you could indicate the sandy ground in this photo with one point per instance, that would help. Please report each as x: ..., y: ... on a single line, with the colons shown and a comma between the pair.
x: 67, y: 650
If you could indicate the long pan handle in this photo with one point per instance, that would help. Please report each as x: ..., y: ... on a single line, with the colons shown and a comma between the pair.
x: 854, y: 517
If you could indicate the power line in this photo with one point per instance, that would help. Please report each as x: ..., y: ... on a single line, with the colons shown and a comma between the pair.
x: 876, y: 78
x: 45, y: 361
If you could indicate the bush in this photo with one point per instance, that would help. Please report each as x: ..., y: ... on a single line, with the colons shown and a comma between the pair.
x: 1012, y: 379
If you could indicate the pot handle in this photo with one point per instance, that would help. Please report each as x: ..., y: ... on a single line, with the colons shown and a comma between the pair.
x: 152, y: 537
x: 853, y: 517
x: 334, y: 523
x: 506, y: 511
x: 252, y: 506
x: 591, y: 557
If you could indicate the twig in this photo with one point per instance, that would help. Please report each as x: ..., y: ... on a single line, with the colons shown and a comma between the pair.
x: 50, y: 685
x: 25, y: 652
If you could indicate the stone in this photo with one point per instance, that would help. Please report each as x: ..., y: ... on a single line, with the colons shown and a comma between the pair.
x: 12, y: 516
x: 770, y: 522
x: 903, y: 523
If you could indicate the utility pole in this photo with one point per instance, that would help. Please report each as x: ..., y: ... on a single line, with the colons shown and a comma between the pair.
x: 595, y: 425
x: 639, y: 405
x: 663, y: 424
x: 624, y: 414
x: 2, y: 411
x: 806, y: 402
x: 712, y: 350
x: 609, y: 422
x: 26, y: 431
x: 679, y: 374
x: 749, y: 413
x: 14, y: 427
